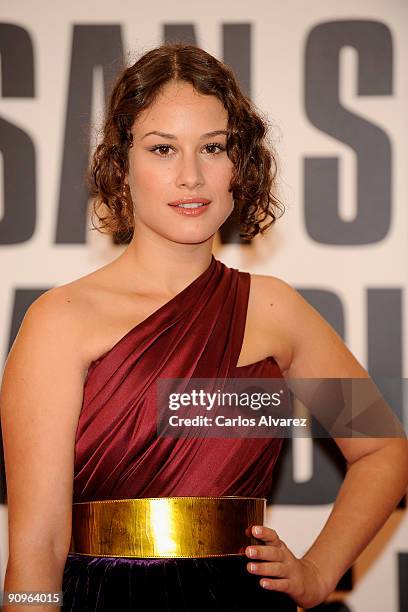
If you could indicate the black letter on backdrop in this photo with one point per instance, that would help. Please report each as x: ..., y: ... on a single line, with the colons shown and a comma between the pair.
x: 92, y: 46
x: 384, y: 340
x: 384, y: 350
x: 402, y: 581
x: 179, y: 32
x: 17, y: 67
x: 373, y: 43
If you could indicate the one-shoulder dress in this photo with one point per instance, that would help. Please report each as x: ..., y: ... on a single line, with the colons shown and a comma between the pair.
x: 118, y: 455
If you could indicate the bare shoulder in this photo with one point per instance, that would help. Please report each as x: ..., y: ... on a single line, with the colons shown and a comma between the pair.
x: 56, y: 306
x: 277, y: 299
x: 70, y: 313
x: 267, y: 284
x: 56, y: 317
x: 274, y: 300
x: 316, y: 349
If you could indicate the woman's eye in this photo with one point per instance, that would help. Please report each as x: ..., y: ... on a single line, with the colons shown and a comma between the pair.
x: 163, y: 149
x: 215, y: 144
x: 160, y: 148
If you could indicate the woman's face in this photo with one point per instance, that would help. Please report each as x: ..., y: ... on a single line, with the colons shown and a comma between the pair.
x: 187, y: 160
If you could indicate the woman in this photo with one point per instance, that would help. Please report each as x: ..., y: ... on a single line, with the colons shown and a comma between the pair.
x: 182, y: 149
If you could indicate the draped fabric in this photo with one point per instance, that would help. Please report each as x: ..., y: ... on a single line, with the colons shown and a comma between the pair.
x: 118, y: 455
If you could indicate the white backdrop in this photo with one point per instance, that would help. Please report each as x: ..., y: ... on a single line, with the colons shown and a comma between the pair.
x: 332, y: 78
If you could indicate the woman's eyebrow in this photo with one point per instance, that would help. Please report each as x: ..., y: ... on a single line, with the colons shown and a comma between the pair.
x: 173, y: 137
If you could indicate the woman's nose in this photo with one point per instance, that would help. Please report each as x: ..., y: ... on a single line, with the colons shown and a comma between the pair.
x: 190, y: 171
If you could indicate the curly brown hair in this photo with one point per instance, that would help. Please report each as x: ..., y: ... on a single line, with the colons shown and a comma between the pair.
x: 254, y: 161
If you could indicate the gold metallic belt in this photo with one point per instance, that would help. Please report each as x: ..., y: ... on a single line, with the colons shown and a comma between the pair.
x: 166, y: 526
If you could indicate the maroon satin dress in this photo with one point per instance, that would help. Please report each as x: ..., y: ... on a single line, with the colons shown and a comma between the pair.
x: 118, y: 455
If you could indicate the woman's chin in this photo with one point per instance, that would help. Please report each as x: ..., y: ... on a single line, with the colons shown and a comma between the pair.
x: 191, y: 235
x: 190, y: 239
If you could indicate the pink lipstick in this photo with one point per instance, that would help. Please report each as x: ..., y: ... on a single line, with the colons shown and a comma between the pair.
x: 192, y: 207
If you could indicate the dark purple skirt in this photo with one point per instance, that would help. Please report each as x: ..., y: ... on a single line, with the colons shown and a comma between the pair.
x: 219, y: 584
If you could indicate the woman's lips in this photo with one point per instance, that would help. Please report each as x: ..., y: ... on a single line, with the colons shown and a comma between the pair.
x: 194, y: 199
x: 190, y: 212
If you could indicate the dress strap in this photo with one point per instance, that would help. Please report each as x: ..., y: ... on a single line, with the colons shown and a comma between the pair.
x: 244, y: 286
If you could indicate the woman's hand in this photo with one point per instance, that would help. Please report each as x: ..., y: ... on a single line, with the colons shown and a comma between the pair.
x: 282, y: 571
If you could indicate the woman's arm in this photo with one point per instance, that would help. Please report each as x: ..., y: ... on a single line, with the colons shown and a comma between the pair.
x: 41, y: 398
x: 377, y: 468
x: 373, y: 486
